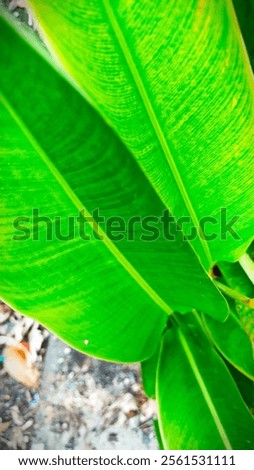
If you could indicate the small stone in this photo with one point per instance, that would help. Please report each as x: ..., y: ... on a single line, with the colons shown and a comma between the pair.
x: 38, y: 446
x: 27, y: 425
x: 134, y: 422
x: 128, y: 403
x: 16, y: 416
x: 135, y: 388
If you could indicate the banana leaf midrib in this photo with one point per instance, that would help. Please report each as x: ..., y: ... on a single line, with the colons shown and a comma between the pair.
x: 207, y: 397
x: 133, y: 67
x: 76, y: 201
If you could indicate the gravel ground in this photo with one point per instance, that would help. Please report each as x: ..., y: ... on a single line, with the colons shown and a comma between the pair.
x: 91, y: 404
x: 80, y: 402
x: 18, y: 404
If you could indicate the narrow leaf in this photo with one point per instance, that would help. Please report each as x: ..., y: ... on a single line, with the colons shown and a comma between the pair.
x: 233, y: 343
x: 245, y: 386
x: 236, y: 278
x: 157, y: 432
x: 246, y: 316
x: 200, y: 406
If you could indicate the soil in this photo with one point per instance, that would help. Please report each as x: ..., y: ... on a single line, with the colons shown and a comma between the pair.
x: 81, y: 402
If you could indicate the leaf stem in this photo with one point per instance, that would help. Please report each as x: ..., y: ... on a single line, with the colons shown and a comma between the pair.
x: 248, y: 266
x: 235, y: 295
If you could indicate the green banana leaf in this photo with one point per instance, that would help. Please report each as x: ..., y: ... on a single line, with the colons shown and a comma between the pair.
x: 246, y: 316
x: 245, y: 386
x: 233, y: 342
x: 178, y: 89
x: 236, y: 278
x: 157, y: 432
x: 148, y: 372
x: 107, y: 298
x: 199, y: 404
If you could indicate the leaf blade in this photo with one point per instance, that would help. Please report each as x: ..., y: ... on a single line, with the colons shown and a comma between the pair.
x: 148, y: 373
x: 233, y: 343
x: 190, y: 372
x: 59, y: 177
x: 186, y: 100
